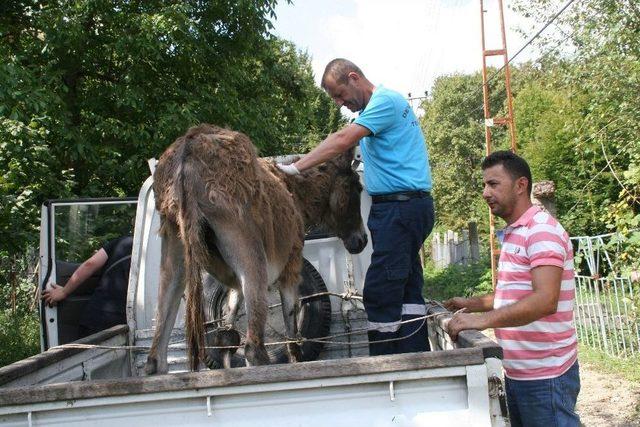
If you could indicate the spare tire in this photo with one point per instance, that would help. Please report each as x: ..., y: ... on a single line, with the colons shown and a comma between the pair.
x: 314, y: 319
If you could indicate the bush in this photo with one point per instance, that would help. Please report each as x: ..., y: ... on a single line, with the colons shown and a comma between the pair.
x: 457, y: 280
x: 18, y: 336
x: 19, y: 325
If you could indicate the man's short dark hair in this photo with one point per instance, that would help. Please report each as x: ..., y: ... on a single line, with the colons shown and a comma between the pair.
x: 339, y: 70
x: 515, y: 165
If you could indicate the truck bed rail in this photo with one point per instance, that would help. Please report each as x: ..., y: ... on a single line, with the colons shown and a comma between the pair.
x: 242, y: 376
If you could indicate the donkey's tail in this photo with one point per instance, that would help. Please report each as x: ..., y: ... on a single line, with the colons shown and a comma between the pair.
x: 188, y: 189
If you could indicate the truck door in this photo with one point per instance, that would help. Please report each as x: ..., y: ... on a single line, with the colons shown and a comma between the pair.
x: 70, y: 232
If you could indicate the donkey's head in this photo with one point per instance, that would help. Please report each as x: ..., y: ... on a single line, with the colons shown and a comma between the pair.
x: 344, y: 216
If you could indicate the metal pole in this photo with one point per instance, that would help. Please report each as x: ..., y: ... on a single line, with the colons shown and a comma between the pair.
x: 487, y: 137
x: 485, y: 84
x: 489, y: 121
x: 507, y: 72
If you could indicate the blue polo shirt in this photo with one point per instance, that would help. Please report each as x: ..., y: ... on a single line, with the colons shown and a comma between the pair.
x: 395, y: 154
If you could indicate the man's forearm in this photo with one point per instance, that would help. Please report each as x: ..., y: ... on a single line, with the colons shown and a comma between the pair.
x: 80, y: 275
x: 529, y: 309
x: 333, y: 145
x: 543, y: 301
x: 86, y: 270
x: 479, y: 304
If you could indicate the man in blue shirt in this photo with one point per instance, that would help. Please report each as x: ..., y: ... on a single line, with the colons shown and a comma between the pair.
x: 398, y: 177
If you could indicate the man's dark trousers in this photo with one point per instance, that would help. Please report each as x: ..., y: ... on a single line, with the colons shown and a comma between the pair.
x: 394, y: 281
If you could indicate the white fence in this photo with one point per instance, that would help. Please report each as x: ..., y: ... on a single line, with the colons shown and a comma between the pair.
x: 455, y: 248
x: 606, y: 315
x: 607, y: 309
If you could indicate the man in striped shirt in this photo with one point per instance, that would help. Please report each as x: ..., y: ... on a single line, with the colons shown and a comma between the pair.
x: 532, y: 306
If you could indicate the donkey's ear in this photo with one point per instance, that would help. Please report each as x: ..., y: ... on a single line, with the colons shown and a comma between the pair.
x: 350, y: 153
x: 344, y: 160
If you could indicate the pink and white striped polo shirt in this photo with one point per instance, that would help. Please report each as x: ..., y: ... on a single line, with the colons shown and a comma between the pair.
x: 546, y: 348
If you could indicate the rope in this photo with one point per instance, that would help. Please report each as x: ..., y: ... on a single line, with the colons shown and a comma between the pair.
x: 300, y: 341
x: 346, y: 296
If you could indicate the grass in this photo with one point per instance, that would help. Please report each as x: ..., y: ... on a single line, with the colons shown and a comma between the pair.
x: 19, y: 336
x: 628, y: 368
x: 457, y: 280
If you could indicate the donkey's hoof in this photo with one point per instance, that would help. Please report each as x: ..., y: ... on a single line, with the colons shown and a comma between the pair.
x: 217, y: 358
x: 154, y: 366
x: 256, y: 355
x: 151, y: 367
x: 227, y: 338
x: 213, y: 361
x: 295, y: 355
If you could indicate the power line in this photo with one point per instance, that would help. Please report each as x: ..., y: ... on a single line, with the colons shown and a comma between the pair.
x: 540, y: 31
x: 436, y: 64
x: 540, y: 58
x: 426, y: 60
x: 527, y: 44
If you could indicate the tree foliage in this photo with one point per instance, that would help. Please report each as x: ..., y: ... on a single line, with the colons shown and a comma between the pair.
x: 598, y: 72
x: 90, y: 89
x: 18, y: 318
x: 454, y: 127
x: 577, y: 118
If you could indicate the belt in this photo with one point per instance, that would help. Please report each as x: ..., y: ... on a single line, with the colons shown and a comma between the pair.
x: 401, y: 196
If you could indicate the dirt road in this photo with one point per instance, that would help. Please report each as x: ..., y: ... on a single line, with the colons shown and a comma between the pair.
x: 607, y: 401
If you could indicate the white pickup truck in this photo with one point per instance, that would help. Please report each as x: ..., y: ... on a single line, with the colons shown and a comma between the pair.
x: 99, y: 380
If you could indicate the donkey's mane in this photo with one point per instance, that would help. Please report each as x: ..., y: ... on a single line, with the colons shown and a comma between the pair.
x: 311, y: 190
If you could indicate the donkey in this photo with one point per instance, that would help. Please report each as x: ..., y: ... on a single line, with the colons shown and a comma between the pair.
x: 225, y: 211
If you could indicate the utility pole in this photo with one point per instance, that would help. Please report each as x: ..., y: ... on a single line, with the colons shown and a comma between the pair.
x: 490, y: 122
x: 416, y: 98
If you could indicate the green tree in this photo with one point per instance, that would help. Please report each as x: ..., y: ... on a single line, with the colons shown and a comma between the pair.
x: 89, y: 89
x: 454, y: 127
x: 546, y: 122
x: 600, y: 62
x: 577, y: 119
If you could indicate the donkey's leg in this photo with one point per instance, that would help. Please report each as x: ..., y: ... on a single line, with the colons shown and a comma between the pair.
x: 244, y: 253
x: 169, y: 296
x: 221, y: 277
x: 234, y: 300
x: 226, y: 333
x: 290, y: 310
x: 289, y: 283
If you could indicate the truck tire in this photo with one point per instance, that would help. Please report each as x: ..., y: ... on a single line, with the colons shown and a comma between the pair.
x: 314, y: 319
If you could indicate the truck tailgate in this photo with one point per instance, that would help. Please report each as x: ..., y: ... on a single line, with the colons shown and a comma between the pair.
x: 447, y: 387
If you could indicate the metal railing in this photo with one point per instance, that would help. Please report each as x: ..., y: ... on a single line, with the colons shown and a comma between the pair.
x: 606, y: 315
x: 607, y: 310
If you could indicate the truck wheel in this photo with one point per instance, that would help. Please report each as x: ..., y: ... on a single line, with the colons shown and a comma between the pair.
x: 314, y: 319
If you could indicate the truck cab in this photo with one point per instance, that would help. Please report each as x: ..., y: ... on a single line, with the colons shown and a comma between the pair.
x: 71, y: 231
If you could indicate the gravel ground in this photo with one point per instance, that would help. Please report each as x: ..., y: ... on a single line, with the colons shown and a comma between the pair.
x: 607, y: 401
x: 604, y: 400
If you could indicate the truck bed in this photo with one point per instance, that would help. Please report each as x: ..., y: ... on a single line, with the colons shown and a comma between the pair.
x: 457, y: 384
x: 446, y: 386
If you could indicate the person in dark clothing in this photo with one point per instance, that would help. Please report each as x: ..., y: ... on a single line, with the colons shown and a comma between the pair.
x: 106, y: 307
